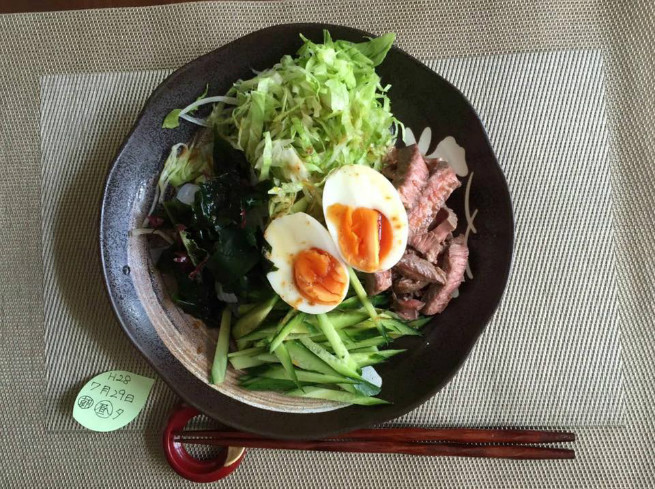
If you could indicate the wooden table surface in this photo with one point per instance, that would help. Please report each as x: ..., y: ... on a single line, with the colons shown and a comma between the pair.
x: 14, y: 6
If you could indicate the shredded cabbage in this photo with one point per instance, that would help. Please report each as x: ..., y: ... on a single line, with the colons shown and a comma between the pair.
x: 310, y: 114
x: 192, y: 163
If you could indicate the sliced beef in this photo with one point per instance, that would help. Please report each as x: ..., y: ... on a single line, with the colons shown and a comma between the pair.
x: 444, y: 214
x: 437, y: 296
x: 404, y: 285
x: 378, y: 282
x: 411, y: 175
x: 407, y: 307
x: 416, y: 268
x: 431, y: 244
x: 438, y: 188
x: 418, y: 283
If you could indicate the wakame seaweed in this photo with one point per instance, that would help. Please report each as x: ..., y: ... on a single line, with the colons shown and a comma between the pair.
x: 217, y: 253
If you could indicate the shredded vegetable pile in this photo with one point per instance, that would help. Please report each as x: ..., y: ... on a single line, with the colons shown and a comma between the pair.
x: 305, y: 116
x: 325, y: 356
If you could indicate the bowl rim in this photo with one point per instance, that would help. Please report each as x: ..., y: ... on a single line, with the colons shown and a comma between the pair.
x: 222, y: 407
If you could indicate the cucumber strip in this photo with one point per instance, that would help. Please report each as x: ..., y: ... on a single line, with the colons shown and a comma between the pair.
x: 354, y: 302
x: 318, y: 337
x: 340, y: 365
x: 285, y: 329
x: 377, y: 341
x: 301, y: 329
x: 390, y: 314
x: 367, y: 324
x: 399, y: 327
x: 341, y: 319
x: 354, y: 335
x: 338, y: 396
x: 305, y: 359
x: 362, y: 388
x: 248, y: 352
x: 305, y: 329
x: 250, y: 321
x: 244, y: 308
x: 219, y: 366
x: 308, y: 328
x: 366, y: 349
x: 348, y: 388
x: 283, y: 356
x: 326, y: 344
x: 333, y: 337
x: 268, y: 357
x: 287, y: 317
x: 346, y: 335
x: 349, y: 303
x: 305, y: 376
x: 373, y: 358
x: 420, y: 322
x: 268, y: 384
x: 242, y: 363
x: 258, y: 334
x: 361, y: 293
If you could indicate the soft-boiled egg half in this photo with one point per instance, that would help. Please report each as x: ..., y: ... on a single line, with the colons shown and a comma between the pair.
x: 309, y: 275
x: 366, y: 218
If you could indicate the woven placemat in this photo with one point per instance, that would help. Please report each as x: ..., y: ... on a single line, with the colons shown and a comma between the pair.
x: 113, y: 40
x: 559, y: 312
x: 84, y: 121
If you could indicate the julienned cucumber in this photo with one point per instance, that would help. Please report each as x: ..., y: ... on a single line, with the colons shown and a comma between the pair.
x: 304, y: 376
x: 361, y: 293
x: 314, y: 356
x: 306, y: 360
x: 333, y: 338
x: 220, y: 356
x: 285, y: 329
x: 253, y: 318
x: 335, y: 395
x: 282, y: 354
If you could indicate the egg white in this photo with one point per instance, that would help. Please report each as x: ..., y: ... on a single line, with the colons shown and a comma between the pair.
x: 362, y: 186
x: 288, y: 236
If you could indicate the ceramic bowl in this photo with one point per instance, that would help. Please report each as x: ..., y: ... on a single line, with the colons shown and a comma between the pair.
x: 180, y: 348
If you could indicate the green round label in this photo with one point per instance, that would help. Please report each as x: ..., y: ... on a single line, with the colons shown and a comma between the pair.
x: 111, y: 400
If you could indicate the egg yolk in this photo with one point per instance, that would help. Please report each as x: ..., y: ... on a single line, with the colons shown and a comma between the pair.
x: 319, y: 277
x: 365, y: 235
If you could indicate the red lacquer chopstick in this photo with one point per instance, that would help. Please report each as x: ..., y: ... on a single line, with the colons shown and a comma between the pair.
x: 520, y: 452
x: 455, y: 435
x: 454, y: 442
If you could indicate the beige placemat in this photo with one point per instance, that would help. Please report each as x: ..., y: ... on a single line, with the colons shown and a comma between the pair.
x: 33, y: 45
x: 84, y: 121
x: 559, y: 314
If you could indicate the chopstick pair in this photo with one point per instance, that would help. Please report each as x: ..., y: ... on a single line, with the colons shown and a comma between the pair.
x: 454, y: 442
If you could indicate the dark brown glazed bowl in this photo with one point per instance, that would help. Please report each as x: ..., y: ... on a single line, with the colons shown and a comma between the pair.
x: 180, y: 348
